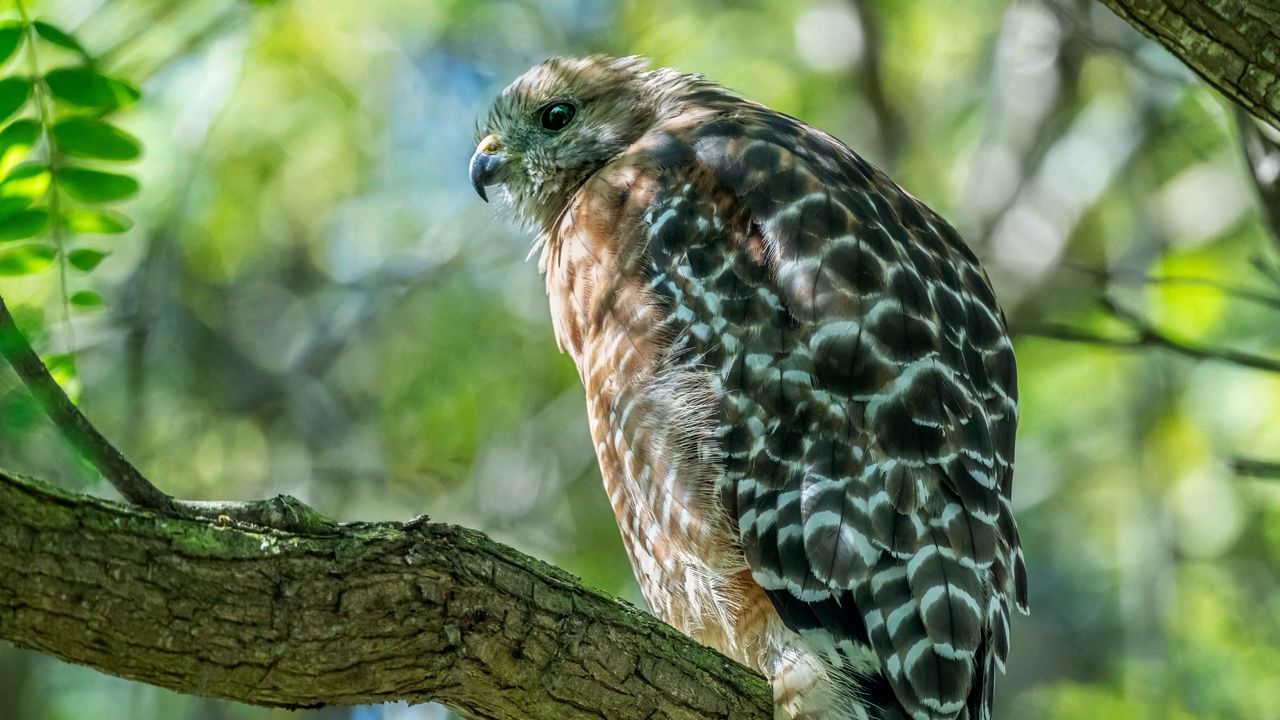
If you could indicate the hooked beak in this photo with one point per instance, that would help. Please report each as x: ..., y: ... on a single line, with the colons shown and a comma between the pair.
x: 486, y: 163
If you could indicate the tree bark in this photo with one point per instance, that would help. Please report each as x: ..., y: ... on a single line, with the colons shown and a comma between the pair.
x: 1233, y: 44
x: 366, y: 613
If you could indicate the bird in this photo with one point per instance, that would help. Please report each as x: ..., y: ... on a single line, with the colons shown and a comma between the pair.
x: 799, y: 384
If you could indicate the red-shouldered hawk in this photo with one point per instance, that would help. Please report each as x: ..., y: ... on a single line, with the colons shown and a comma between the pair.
x: 800, y: 386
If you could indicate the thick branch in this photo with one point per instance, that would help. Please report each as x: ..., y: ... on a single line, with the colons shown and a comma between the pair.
x: 1232, y: 45
x: 361, y: 614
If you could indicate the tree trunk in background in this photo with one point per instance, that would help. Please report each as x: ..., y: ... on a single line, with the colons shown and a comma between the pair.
x: 1233, y: 44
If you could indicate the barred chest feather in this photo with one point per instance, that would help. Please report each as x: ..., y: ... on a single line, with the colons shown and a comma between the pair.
x: 652, y: 405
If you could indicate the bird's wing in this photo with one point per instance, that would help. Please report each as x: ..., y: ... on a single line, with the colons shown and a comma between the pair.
x: 868, y: 398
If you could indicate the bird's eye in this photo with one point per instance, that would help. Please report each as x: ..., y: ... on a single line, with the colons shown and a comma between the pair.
x: 557, y: 116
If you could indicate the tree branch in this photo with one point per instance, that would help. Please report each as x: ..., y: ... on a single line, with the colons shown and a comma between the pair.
x: 1135, y: 278
x: 1254, y: 468
x: 1147, y: 335
x: 75, y: 427
x: 1232, y: 45
x: 1262, y: 151
x: 890, y: 129
x: 281, y: 512
x: 363, y: 614
x: 289, y: 609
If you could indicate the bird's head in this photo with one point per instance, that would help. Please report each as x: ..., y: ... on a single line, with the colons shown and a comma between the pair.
x: 556, y: 125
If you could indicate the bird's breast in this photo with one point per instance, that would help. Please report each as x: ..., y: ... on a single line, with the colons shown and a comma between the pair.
x: 653, y: 416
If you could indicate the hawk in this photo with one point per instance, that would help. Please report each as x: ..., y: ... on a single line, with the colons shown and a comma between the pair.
x: 800, y: 386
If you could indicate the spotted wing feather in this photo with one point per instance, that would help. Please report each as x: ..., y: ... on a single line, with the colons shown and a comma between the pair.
x: 868, y: 397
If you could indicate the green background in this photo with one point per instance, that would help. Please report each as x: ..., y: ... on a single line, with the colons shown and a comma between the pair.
x: 313, y: 301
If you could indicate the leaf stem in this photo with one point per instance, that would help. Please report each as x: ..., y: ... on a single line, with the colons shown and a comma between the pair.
x: 44, y: 100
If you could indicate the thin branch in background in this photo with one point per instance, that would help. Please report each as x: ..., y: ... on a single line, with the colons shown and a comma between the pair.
x: 1135, y: 278
x: 1149, y: 334
x: 1043, y: 131
x: 1254, y: 468
x: 1261, y: 147
x: 110, y: 55
x: 870, y: 77
x: 1081, y: 28
x: 1268, y: 268
x: 75, y: 427
x: 136, y: 299
x: 1145, y: 335
x: 205, y: 30
x: 1067, y: 333
x: 280, y: 512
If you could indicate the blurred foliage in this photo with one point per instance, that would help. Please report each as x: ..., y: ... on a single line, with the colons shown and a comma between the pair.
x: 51, y: 122
x: 310, y: 299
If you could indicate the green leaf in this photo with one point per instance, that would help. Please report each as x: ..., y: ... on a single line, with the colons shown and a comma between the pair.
x: 14, y: 92
x: 96, y: 222
x: 15, y: 141
x: 87, y: 299
x: 60, y: 363
x: 23, y: 224
x: 63, y: 369
x: 10, y: 38
x: 87, y: 137
x: 58, y: 37
x: 82, y: 86
x: 96, y: 186
x: 20, y: 414
x: 26, y: 259
x: 30, y: 320
x: 24, y: 185
x: 86, y: 259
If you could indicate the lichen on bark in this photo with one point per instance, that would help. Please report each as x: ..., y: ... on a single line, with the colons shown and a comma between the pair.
x: 1234, y: 45
x: 359, y: 613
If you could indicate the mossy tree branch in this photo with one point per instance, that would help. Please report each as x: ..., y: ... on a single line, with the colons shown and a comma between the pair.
x: 1233, y: 44
x: 361, y: 613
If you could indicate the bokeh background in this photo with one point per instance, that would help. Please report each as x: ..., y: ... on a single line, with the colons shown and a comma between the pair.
x: 313, y: 301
